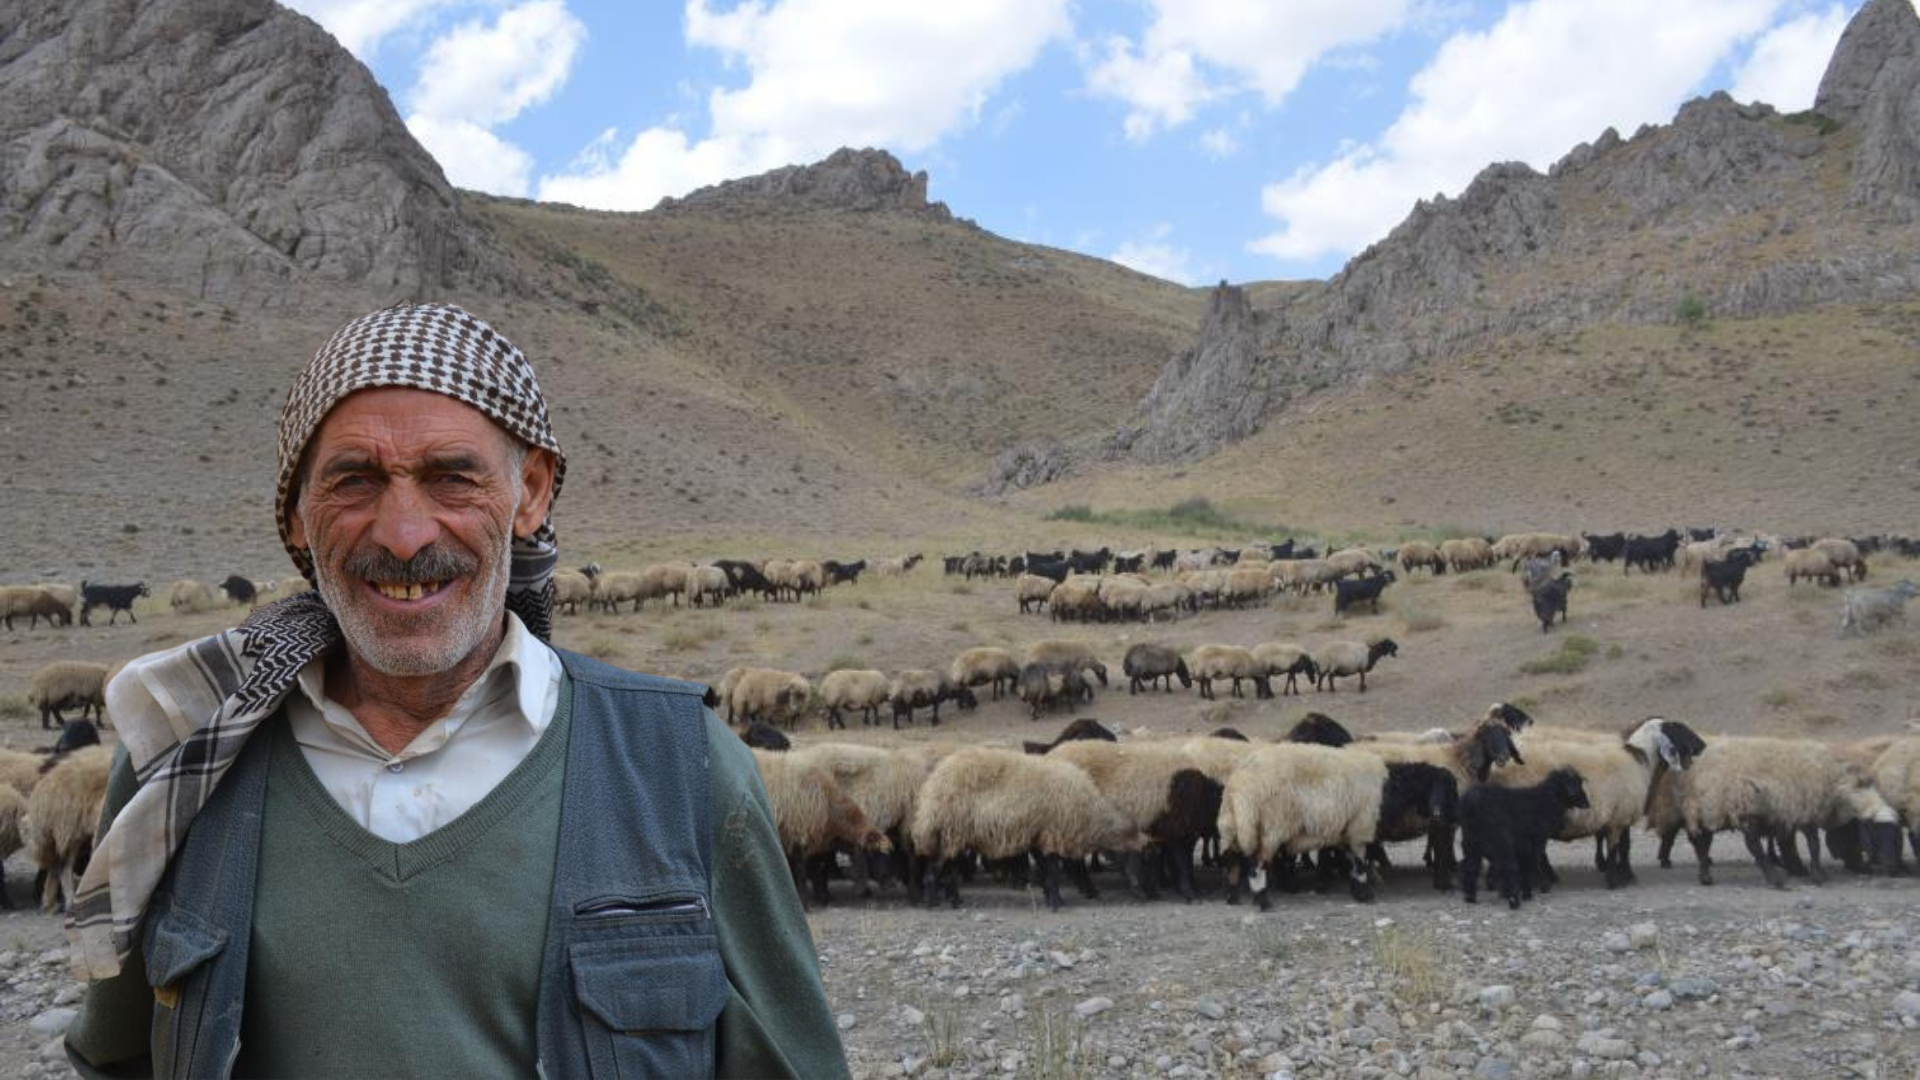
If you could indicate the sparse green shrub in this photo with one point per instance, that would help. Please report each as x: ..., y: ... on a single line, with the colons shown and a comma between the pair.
x: 1573, y: 655
x: 1690, y: 311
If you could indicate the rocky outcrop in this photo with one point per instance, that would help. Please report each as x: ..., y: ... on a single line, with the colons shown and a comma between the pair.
x: 1732, y: 207
x: 1029, y: 464
x: 230, y: 146
x: 860, y: 180
x: 1873, y: 84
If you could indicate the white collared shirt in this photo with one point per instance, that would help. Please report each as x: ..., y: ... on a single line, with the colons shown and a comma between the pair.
x: 447, y: 768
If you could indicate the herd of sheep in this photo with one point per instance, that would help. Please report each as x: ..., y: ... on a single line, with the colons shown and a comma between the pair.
x: 1321, y: 805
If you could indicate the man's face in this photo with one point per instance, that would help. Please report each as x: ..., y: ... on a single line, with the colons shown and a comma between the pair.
x: 409, y: 502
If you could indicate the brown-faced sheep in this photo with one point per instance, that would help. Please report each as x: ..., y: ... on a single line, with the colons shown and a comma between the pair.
x: 1282, y: 658
x: 884, y: 784
x: 1060, y: 653
x: 862, y: 689
x: 1466, y: 553
x: 1418, y: 554
x: 616, y: 587
x: 34, y: 602
x: 1212, y: 662
x: 68, y: 684
x: 1001, y: 804
x: 62, y: 813
x: 812, y: 815
x: 1032, y: 591
x: 920, y: 688
x: 769, y: 695
x: 1844, y: 555
x: 1340, y: 659
x: 571, y: 588
x: 1812, y: 565
x: 986, y: 665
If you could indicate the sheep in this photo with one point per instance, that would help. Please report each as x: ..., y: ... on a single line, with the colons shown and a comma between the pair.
x: 1307, y: 575
x: 865, y: 690
x: 1077, y: 598
x: 1000, y: 804
x: 616, y: 587
x: 1350, y: 562
x: 882, y: 783
x: 765, y: 737
x: 920, y: 688
x: 62, y: 813
x: 1295, y: 798
x: 13, y: 810
x: 1550, y: 600
x: 115, y: 598
x: 708, y: 585
x: 1466, y: 553
x: 66, y: 684
x: 1210, y: 662
x: 35, y: 602
x: 1247, y: 585
x: 1155, y: 664
x: 1811, y: 564
x: 1067, y: 654
x: 808, y: 578
x: 812, y: 815
x: 1319, y: 729
x: 1767, y: 788
x: 1844, y: 555
x: 242, y: 590
x: 1509, y: 828
x: 1163, y: 794
x: 65, y: 595
x: 1043, y: 686
x: 1083, y: 728
x: 571, y: 589
x: 20, y: 770
x: 1895, y: 770
x: 768, y: 694
x: 1469, y: 759
x: 1365, y: 590
x: 986, y: 665
x: 1416, y: 554
x: 1619, y: 779
x: 1284, y: 658
x: 663, y: 581
x: 1864, y: 609
x: 190, y: 597
x: 1343, y: 658
x: 1032, y: 590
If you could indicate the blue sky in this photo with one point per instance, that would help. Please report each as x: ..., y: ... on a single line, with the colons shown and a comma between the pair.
x: 1191, y: 139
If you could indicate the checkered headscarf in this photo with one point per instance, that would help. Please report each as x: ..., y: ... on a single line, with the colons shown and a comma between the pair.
x: 222, y: 687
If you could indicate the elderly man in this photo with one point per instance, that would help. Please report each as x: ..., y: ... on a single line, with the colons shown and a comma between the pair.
x: 385, y: 829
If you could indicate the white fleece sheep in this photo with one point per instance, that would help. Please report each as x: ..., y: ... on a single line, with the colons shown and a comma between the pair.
x: 1340, y: 659
x: 768, y: 695
x: 571, y: 588
x: 1209, y: 663
x: 62, y: 813
x: 68, y: 684
x: 1296, y: 798
x: 1811, y: 564
x: 851, y: 689
x: 1466, y: 553
x: 987, y: 665
x: 1064, y: 654
x: 1032, y: 590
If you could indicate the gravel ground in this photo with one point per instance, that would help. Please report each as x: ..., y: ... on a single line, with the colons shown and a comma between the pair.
x: 1664, y: 979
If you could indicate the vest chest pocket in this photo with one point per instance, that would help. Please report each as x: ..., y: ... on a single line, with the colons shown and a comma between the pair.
x: 178, y: 945
x: 648, y: 1003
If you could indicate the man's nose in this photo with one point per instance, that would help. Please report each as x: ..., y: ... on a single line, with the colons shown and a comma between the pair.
x: 405, y: 522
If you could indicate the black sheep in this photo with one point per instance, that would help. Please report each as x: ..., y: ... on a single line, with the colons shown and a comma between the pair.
x: 1507, y: 829
x: 1419, y: 798
x: 1366, y: 590
x: 1722, y: 577
x: 1320, y: 730
x: 1155, y: 665
x: 1550, y: 600
x: 764, y: 736
x: 1084, y: 728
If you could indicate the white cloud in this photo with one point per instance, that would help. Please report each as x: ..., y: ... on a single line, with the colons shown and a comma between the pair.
x: 1549, y: 75
x: 824, y: 74
x: 1158, y: 257
x: 477, y: 76
x: 1785, y: 66
x: 490, y: 74
x: 1219, y: 143
x: 474, y: 157
x: 1199, y: 50
x: 360, y: 25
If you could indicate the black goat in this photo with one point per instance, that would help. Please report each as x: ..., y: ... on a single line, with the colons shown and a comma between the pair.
x: 115, y: 598
x: 1550, y: 600
x: 1163, y: 560
x: 1320, y: 730
x: 1722, y: 577
x: 744, y: 577
x: 1366, y: 590
x: 1084, y: 728
x: 1650, y: 553
x: 1089, y: 562
x: 843, y: 573
x: 1129, y: 564
x: 764, y: 736
x: 1054, y: 570
x: 1507, y: 829
x: 1605, y: 547
x: 240, y: 590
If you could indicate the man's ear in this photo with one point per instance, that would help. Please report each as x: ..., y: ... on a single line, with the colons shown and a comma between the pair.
x: 536, y: 484
x: 296, y: 525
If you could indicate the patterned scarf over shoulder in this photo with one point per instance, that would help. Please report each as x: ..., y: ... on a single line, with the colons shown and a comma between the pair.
x: 221, y: 688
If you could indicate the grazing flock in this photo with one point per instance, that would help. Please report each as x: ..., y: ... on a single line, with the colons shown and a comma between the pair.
x: 1184, y: 815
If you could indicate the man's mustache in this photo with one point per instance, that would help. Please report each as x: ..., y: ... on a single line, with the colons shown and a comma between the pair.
x: 431, y: 563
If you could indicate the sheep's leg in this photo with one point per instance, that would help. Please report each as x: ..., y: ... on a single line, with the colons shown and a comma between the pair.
x: 1600, y: 851
x: 1470, y: 860
x: 818, y: 868
x: 1050, y: 882
x: 1786, y: 849
x: 1815, y: 870
x: 1238, y: 872
x: 798, y: 873
x: 1770, y: 870
x: 1440, y: 855
x: 1135, y: 871
x: 1377, y: 856
x: 1082, y: 878
x: 1183, y: 869
x: 1702, y: 842
x: 1667, y: 837
x: 1359, y: 875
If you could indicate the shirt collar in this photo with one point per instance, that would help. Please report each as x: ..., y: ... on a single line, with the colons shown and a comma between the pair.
x: 521, y: 670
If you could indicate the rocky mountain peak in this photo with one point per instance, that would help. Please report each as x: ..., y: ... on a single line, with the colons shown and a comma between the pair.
x: 848, y: 179
x: 1878, y: 57
x: 229, y: 145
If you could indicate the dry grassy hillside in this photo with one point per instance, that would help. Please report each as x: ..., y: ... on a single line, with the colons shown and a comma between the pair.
x: 928, y: 345
x: 1804, y: 422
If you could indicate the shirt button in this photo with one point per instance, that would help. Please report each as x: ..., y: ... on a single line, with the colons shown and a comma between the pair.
x: 395, y: 766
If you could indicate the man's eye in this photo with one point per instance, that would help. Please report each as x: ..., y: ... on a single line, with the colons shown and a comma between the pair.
x: 454, y: 480
x: 351, y: 483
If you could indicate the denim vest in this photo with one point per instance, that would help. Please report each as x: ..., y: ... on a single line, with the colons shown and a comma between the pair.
x: 631, y: 982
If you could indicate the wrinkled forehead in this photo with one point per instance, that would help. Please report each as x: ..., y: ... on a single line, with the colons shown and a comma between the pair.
x: 400, y: 426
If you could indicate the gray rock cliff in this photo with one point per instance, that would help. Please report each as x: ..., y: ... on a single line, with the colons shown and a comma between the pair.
x: 860, y: 180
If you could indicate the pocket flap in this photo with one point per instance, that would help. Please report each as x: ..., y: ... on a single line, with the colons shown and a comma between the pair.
x: 177, y: 941
x: 651, y: 984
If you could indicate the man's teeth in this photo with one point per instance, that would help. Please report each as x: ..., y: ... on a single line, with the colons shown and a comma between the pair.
x: 406, y: 592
